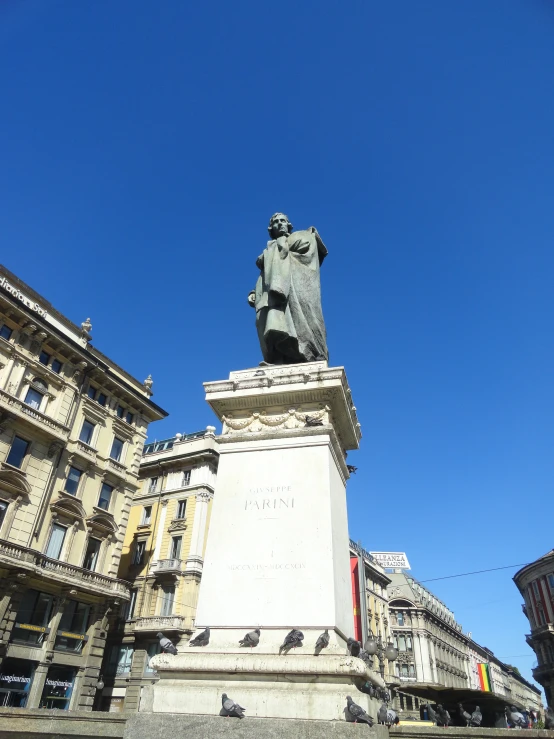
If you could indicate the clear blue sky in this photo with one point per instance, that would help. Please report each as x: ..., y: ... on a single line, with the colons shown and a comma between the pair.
x: 145, y: 146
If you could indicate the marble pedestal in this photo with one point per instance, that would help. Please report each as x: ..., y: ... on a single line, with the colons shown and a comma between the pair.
x: 277, y: 555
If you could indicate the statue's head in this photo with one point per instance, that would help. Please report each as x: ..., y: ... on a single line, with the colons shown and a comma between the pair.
x: 279, y: 225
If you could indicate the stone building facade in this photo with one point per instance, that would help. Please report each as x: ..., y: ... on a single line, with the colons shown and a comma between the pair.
x: 163, y: 556
x: 432, y: 646
x: 504, y: 681
x: 535, y: 582
x: 371, y: 610
x: 72, y: 429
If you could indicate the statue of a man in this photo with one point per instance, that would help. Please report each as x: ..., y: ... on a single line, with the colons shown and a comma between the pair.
x: 287, y: 297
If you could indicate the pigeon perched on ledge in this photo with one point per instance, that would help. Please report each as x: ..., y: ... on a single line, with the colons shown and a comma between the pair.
x: 357, y: 713
x: 166, y: 644
x: 443, y: 717
x: 431, y: 712
x: 293, y: 639
x: 230, y: 708
x: 202, y: 640
x: 515, y: 717
x: 476, y: 717
x: 464, y: 714
x: 322, y: 641
x: 251, y: 639
x: 354, y: 647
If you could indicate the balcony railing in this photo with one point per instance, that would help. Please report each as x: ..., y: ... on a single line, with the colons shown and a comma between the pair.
x: 169, y: 565
x: 63, y: 572
x: 117, y: 468
x: 163, y: 623
x: 39, y: 419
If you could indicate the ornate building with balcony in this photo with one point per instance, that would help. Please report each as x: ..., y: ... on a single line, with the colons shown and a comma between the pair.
x: 371, y: 606
x: 432, y: 646
x: 163, y: 555
x: 72, y: 429
x: 535, y: 582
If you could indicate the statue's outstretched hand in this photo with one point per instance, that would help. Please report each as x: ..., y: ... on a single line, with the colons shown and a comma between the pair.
x: 252, y: 298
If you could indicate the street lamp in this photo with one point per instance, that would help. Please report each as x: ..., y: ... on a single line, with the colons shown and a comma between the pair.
x: 376, y: 646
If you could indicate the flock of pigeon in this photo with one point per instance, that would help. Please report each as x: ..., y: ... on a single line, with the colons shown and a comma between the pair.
x: 353, y: 712
x: 295, y: 638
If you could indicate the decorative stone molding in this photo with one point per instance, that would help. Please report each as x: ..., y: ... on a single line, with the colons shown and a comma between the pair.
x: 292, y: 419
x: 178, y: 524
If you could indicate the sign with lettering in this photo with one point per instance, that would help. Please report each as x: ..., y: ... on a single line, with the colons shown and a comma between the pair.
x: 14, y: 679
x: 71, y: 635
x: 32, y: 627
x: 16, y: 293
x: 58, y: 683
x: 392, y: 560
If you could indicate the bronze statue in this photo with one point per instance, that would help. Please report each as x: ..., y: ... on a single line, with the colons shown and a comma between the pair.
x: 287, y: 297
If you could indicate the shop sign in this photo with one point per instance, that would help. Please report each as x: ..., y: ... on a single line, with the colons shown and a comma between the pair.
x: 392, y: 560
x: 71, y: 635
x: 58, y: 683
x: 31, y: 627
x: 22, y: 297
x: 14, y: 679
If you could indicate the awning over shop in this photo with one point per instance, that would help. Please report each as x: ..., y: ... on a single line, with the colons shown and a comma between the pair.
x: 448, y: 697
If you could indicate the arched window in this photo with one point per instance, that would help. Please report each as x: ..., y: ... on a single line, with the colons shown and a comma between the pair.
x: 35, y: 393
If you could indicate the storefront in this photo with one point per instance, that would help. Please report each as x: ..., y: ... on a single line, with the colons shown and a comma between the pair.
x: 58, y: 688
x: 16, y: 677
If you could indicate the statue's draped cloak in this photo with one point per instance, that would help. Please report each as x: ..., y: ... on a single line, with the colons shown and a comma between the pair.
x: 289, y: 318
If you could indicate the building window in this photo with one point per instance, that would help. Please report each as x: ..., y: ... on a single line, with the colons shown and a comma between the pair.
x: 33, y: 398
x: 86, y: 432
x: 91, y: 392
x: 129, y: 417
x: 153, y: 484
x: 117, y: 448
x: 130, y: 612
x: 6, y: 332
x: 102, y: 399
x: 72, y: 481
x: 120, y: 411
x: 105, y: 496
x: 121, y: 658
x: 146, y: 515
x: 551, y: 582
x: 3, y: 509
x: 409, y: 703
x: 140, y: 548
x: 35, y: 610
x: 58, y: 688
x: 401, y: 643
x: 17, y: 452
x: 400, y: 618
x: 15, y: 682
x: 181, y: 509
x: 44, y: 358
x: 536, y: 588
x: 411, y: 671
x: 409, y: 643
x: 404, y: 671
x: 176, y: 543
x: 73, y: 626
x: 186, y: 478
x: 56, y: 366
x: 168, y: 594
x: 91, y: 555
x: 55, y: 542
x: 152, y: 651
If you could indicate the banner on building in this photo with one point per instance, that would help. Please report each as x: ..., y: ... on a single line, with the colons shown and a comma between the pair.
x: 484, y: 676
x: 392, y: 560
